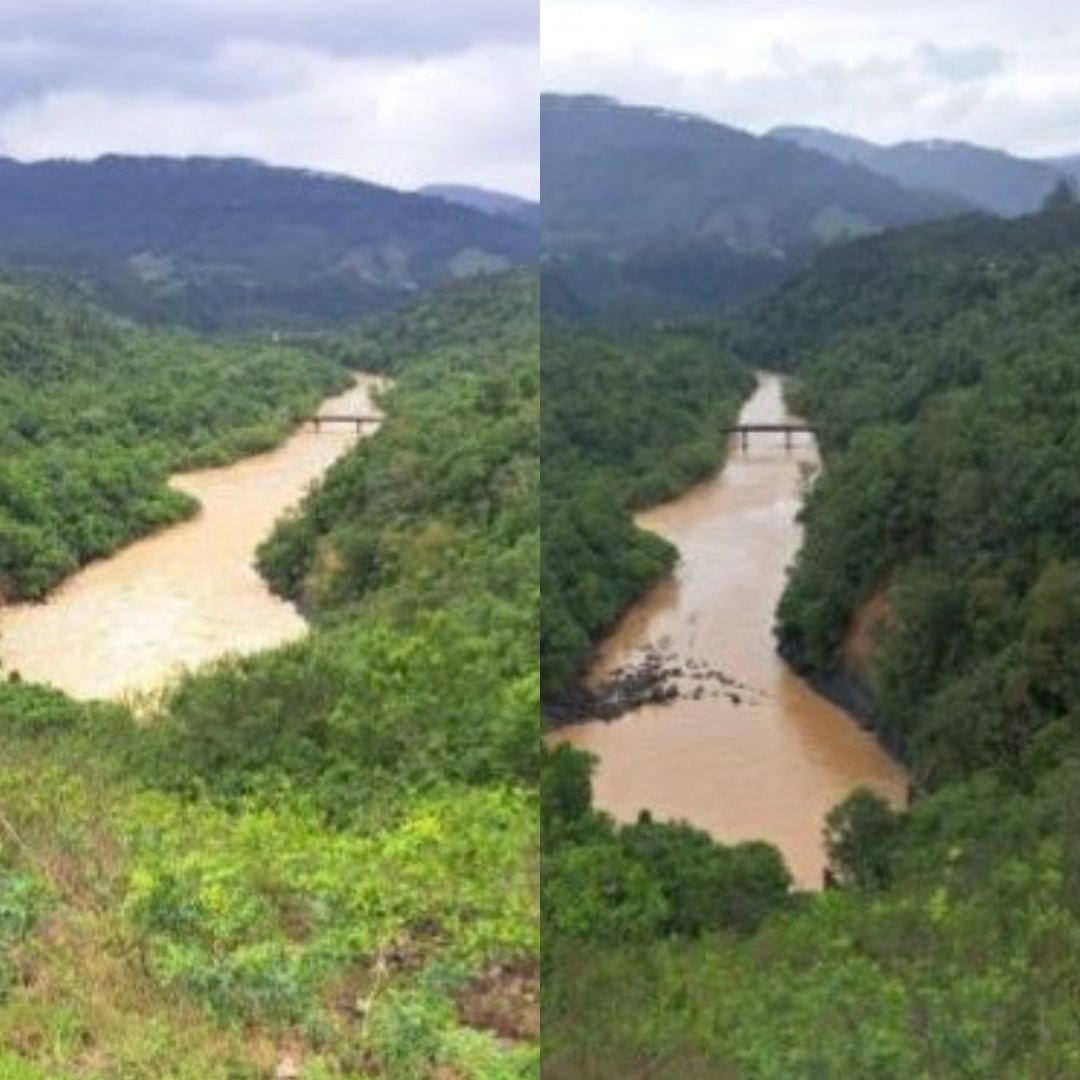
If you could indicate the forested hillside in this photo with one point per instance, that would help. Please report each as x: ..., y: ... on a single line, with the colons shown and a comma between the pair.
x: 232, y: 243
x: 943, y: 367
x: 323, y: 859
x: 628, y: 421
x: 916, y: 278
x: 95, y: 414
x: 953, y: 490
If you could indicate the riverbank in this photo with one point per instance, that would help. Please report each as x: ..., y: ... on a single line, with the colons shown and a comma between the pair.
x: 765, y: 757
x: 186, y: 595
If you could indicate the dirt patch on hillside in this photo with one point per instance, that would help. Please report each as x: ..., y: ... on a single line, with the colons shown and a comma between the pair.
x: 504, y: 1000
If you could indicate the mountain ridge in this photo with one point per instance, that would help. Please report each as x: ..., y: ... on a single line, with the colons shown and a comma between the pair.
x: 647, y: 198
x: 486, y: 200
x: 231, y: 243
x: 994, y: 180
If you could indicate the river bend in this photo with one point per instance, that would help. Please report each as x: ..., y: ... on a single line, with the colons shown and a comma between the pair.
x: 765, y: 760
x: 184, y: 596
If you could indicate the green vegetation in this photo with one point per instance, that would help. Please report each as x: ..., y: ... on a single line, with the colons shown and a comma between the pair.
x: 328, y: 853
x: 95, y: 414
x: 941, y: 366
x: 607, y: 885
x: 627, y: 422
x: 952, y: 485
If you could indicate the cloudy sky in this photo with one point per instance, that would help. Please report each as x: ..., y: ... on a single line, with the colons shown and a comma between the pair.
x: 1000, y: 72
x: 398, y: 91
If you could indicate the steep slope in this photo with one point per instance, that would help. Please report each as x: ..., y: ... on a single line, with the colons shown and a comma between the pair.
x: 991, y: 179
x: 921, y: 276
x: 949, y: 416
x: 230, y: 242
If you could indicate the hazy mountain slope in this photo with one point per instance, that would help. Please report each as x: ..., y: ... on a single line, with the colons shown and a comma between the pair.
x: 1069, y: 165
x: 488, y: 202
x: 654, y: 212
x: 619, y: 176
x: 229, y: 242
x: 992, y: 179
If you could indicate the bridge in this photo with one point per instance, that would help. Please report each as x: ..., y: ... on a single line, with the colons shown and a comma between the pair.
x: 358, y: 420
x: 788, y: 430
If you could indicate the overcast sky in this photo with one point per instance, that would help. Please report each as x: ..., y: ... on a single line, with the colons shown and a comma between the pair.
x: 397, y: 91
x: 1000, y: 72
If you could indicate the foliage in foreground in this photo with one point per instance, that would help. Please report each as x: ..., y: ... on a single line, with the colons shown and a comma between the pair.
x: 327, y: 854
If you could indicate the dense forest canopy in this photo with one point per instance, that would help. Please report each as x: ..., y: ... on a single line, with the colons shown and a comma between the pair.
x: 951, y: 487
x: 328, y: 853
x: 95, y: 414
x: 628, y: 420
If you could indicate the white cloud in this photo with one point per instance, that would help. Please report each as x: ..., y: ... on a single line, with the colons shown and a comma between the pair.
x: 450, y: 95
x: 344, y: 27
x: 994, y: 71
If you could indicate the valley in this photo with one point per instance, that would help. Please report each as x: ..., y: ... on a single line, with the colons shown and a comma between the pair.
x: 270, y: 863
x: 190, y: 594
x: 449, y: 633
x: 768, y: 759
x: 937, y: 364
x: 270, y: 543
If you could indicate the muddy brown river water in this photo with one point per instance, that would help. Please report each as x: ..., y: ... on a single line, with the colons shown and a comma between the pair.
x: 187, y: 595
x: 770, y: 766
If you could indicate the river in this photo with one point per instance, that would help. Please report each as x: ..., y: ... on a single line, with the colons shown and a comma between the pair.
x: 187, y: 595
x: 769, y: 759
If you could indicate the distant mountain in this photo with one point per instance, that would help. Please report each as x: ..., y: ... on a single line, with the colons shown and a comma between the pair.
x: 651, y: 197
x: 222, y: 243
x: 991, y: 179
x: 1069, y: 165
x: 488, y: 202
